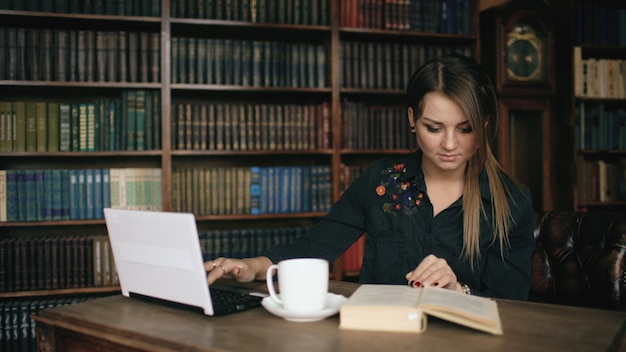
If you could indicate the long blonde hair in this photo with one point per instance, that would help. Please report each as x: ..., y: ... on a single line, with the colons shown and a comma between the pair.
x: 465, y: 81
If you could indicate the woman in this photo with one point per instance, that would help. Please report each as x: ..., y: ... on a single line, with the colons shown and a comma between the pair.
x: 446, y: 216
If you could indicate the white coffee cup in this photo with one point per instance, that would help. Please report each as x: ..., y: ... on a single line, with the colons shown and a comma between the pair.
x: 303, y: 284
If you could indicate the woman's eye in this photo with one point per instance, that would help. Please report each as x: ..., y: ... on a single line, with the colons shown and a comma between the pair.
x: 466, y: 130
x: 432, y: 129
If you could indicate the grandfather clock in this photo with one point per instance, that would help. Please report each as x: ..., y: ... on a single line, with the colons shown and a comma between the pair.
x: 517, y: 50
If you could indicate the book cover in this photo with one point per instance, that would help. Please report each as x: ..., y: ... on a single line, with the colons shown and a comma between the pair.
x: 402, y: 308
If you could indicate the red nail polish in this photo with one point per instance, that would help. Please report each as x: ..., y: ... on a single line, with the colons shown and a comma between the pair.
x: 418, y: 284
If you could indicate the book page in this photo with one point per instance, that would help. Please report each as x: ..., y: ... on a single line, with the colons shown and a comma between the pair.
x: 480, y: 307
x: 377, y: 295
x: 473, y: 311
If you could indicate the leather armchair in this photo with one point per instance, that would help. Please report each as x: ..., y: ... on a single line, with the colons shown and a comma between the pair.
x: 579, y: 259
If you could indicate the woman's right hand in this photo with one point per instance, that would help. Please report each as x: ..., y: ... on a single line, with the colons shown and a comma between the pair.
x: 243, y: 270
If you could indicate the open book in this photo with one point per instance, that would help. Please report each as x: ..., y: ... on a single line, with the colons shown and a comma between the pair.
x: 404, y: 309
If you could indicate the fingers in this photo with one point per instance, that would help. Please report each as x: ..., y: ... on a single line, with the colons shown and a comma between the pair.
x: 432, y: 271
x: 220, y: 267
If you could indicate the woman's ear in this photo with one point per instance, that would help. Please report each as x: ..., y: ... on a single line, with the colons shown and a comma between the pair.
x: 411, y: 116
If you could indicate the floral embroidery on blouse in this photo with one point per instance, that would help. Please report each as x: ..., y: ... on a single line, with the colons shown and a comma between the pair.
x: 401, y: 193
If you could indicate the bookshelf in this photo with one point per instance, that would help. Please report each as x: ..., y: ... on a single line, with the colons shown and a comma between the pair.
x: 170, y: 120
x: 599, y: 60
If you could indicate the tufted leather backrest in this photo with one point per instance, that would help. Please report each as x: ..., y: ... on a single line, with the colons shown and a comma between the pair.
x: 579, y: 259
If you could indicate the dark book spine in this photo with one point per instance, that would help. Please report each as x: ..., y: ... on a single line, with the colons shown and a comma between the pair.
x: 62, y: 55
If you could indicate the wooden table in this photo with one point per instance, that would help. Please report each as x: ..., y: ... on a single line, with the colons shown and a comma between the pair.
x: 118, y: 323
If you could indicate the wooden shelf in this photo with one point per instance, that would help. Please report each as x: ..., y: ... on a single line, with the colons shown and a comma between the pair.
x: 63, y: 292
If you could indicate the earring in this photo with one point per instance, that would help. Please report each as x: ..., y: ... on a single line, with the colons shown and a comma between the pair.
x: 412, y: 129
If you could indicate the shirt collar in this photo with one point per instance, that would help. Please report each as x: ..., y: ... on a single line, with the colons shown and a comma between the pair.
x: 413, y: 165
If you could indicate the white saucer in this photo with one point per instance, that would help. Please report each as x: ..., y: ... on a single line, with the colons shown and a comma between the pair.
x: 333, y: 302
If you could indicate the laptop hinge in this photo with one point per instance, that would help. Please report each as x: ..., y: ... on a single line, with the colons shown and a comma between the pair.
x: 160, y: 301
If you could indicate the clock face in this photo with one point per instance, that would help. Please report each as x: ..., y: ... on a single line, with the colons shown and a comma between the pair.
x: 523, y: 59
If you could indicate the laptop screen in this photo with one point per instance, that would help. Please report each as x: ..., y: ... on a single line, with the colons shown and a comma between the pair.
x: 158, y: 255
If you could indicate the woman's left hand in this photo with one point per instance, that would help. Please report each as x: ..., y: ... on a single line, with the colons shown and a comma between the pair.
x: 433, y: 271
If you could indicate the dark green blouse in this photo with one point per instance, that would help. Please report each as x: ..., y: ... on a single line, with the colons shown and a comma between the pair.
x: 390, y: 203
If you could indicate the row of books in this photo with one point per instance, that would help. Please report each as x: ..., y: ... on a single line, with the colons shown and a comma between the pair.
x: 96, y: 7
x: 437, y: 16
x: 131, y: 122
x: 53, y: 262
x: 56, y: 262
x: 248, y: 63
x: 600, y: 180
x: 42, y: 54
x: 245, y: 243
x: 76, y: 194
x: 375, y: 127
x: 252, y: 190
x: 239, y: 126
x: 383, y: 65
x: 599, y: 78
x: 600, y: 127
x: 600, y: 23
x: 306, y: 12
x: 18, y: 331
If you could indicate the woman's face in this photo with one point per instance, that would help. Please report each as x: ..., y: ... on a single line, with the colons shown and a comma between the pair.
x: 444, y: 134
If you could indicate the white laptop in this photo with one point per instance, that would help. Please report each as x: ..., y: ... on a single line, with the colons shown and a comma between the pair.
x: 158, y: 257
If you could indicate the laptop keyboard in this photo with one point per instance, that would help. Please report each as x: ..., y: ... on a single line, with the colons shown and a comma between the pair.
x: 229, y: 301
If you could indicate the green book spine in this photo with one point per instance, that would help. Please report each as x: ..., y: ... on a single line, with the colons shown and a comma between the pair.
x: 140, y: 119
x: 31, y: 127
x: 131, y: 119
x: 157, y: 187
x: 82, y: 127
x: 42, y: 126
x: 112, y: 131
x: 3, y: 195
x: 130, y: 184
x: 4, y: 128
x: 64, y: 127
x: 75, y: 127
x: 53, y: 127
x: 93, y: 128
